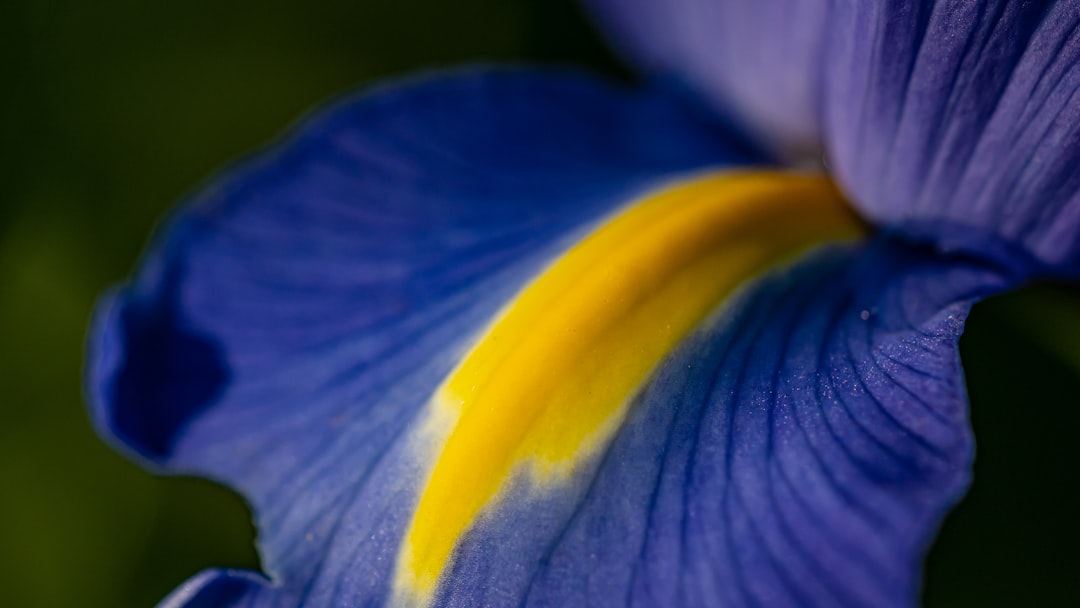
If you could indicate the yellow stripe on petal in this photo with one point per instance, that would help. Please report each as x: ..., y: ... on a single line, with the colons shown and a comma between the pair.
x: 544, y: 389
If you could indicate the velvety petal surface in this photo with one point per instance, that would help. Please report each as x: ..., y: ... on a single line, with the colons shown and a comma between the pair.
x: 950, y: 119
x: 287, y: 327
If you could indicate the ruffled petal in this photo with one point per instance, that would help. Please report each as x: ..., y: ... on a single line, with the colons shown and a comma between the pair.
x: 758, y: 60
x: 961, y: 120
x: 288, y: 326
x: 800, y: 449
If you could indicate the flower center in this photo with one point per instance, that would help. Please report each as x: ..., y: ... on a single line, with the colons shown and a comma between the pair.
x: 545, y: 388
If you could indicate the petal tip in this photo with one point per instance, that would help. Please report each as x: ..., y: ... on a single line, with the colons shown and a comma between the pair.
x: 213, y: 589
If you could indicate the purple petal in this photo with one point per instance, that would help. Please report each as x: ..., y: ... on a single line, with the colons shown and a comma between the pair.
x: 952, y: 120
x: 960, y: 121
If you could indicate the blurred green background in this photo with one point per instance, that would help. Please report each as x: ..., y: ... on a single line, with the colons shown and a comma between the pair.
x: 111, y: 111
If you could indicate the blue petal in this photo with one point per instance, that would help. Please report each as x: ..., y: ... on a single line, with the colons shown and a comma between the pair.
x: 288, y: 326
x: 954, y: 119
x: 757, y: 60
x: 800, y: 450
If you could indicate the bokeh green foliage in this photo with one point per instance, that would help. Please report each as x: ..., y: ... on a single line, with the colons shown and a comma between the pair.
x: 114, y: 110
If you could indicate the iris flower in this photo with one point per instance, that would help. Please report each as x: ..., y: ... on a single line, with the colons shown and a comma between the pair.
x: 524, y: 337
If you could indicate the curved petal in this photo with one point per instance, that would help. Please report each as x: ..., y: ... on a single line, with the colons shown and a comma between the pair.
x: 348, y: 268
x: 799, y: 450
x: 759, y: 60
x: 952, y: 119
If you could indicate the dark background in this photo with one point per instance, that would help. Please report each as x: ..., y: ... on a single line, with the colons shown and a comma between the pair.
x: 110, y: 111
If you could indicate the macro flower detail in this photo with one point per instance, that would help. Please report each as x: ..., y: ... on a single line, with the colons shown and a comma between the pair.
x: 524, y: 337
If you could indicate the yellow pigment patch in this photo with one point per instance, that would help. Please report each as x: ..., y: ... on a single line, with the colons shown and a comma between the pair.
x: 544, y: 389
